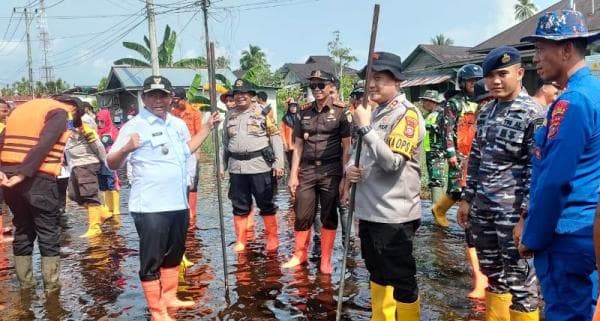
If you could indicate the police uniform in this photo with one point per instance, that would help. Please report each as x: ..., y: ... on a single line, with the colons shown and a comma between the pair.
x: 566, y: 172
x: 388, y: 203
x: 32, y: 145
x: 497, y: 189
x: 254, y: 149
x: 433, y: 145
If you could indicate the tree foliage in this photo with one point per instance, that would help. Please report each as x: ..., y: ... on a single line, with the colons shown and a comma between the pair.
x: 252, y: 57
x: 40, y: 89
x: 442, y: 40
x: 342, y: 56
x: 524, y: 9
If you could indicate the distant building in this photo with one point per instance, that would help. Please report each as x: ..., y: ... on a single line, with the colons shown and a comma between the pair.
x: 296, y: 74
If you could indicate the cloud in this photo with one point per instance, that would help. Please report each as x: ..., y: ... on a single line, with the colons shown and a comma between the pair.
x: 8, y: 46
x: 190, y: 53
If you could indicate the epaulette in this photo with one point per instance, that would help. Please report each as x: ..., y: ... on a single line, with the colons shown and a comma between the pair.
x: 339, y: 104
x: 306, y: 106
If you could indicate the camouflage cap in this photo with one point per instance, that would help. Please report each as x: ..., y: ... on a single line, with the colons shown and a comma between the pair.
x: 432, y: 95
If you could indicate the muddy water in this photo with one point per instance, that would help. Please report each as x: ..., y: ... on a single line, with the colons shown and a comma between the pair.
x: 100, y: 280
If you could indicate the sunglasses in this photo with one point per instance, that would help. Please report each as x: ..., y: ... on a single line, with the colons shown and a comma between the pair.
x: 320, y: 85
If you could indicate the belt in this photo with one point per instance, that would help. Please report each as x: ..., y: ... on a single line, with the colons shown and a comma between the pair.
x: 246, y: 155
x: 319, y: 162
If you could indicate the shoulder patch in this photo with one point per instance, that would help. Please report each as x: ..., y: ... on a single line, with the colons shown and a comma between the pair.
x: 558, y: 114
x: 404, y: 138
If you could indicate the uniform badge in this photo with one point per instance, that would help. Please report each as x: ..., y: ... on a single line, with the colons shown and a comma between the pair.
x: 393, y: 104
x: 156, y: 80
x: 239, y: 83
x: 331, y: 111
x: 349, y: 117
x: 505, y: 58
x: 537, y: 152
x: 411, y: 124
x: 305, y: 136
x: 558, y: 114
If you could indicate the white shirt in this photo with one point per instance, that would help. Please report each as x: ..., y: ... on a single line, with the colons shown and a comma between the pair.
x: 160, y: 165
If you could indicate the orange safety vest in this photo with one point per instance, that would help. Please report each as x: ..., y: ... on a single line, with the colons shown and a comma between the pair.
x: 466, y: 130
x: 23, y: 129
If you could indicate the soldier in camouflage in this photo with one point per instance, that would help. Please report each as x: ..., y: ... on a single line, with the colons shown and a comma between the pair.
x: 498, y: 187
x: 455, y: 109
x: 433, y: 144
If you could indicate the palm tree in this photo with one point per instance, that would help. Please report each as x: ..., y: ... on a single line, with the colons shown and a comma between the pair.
x: 524, y: 9
x: 441, y: 40
x: 165, y: 53
x: 252, y: 57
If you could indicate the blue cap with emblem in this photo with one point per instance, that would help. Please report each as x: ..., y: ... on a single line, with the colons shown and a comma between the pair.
x: 500, y: 57
x: 561, y: 25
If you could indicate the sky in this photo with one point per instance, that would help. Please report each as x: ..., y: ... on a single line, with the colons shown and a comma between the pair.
x: 87, y: 35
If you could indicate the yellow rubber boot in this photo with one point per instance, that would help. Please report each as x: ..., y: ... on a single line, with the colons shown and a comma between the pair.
x: 440, y: 208
x: 408, y: 311
x: 185, y: 263
x: 108, y: 201
x: 115, y: 203
x: 497, y: 306
x: 524, y: 316
x: 94, y: 220
x: 383, y: 305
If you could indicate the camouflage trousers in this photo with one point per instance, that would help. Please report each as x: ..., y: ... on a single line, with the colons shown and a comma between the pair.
x: 435, y: 168
x: 499, y: 259
x: 455, y: 174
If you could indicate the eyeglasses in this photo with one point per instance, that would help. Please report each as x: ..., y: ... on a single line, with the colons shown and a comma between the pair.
x: 320, y: 85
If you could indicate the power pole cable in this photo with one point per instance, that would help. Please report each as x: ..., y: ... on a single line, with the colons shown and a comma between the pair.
x: 29, y: 60
x: 47, y: 69
x: 205, y: 4
x: 152, y: 37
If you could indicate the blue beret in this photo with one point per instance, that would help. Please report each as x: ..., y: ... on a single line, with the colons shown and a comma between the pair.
x: 500, y: 57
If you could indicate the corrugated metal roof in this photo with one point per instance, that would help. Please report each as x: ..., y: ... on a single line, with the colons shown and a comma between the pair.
x: 432, y: 80
x: 133, y: 77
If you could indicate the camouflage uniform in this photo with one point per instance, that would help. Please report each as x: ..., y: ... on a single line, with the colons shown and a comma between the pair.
x: 434, y: 148
x: 497, y: 189
x: 454, y: 109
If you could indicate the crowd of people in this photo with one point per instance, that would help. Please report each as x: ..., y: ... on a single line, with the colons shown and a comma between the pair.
x: 524, y: 170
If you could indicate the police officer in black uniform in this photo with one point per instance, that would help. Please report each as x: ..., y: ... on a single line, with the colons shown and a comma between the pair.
x: 321, y: 147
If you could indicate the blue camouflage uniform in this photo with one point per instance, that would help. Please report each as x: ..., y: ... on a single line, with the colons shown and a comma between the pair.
x: 497, y: 187
x: 566, y: 172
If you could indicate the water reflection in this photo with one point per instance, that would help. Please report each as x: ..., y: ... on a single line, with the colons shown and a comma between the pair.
x: 100, y: 276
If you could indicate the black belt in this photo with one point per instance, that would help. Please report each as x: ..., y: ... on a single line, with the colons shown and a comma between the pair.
x: 246, y: 155
x: 319, y: 162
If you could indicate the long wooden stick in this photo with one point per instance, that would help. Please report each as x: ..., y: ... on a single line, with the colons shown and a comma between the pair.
x: 349, y: 218
x: 213, y: 108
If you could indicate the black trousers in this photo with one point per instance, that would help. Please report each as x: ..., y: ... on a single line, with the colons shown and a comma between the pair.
x: 388, y: 253
x: 243, y: 186
x: 320, y: 183
x: 35, y: 207
x: 162, y: 240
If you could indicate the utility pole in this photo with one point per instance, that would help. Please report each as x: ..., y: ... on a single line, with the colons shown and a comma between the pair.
x: 29, y: 62
x: 152, y: 37
x: 46, y: 70
x: 205, y: 4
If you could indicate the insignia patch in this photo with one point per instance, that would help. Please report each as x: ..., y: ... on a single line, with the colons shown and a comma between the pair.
x: 393, y: 104
x: 505, y: 59
x: 376, y: 55
x: 156, y: 80
x: 305, y: 136
x: 411, y: 124
x: 385, y: 120
x: 537, y: 152
x: 349, y: 117
x: 558, y: 114
x: 317, y: 74
x: 306, y: 117
x: 239, y: 83
x: 404, y: 138
x: 331, y: 111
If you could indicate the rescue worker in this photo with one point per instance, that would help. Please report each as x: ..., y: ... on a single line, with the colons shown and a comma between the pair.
x: 31, y: 153
x: 546, y: 93
x: 254, y: 159
x: 566, y: 169
x: 459, y: 110
x: 157, y: 145
x: 109, y: 180
x: 388, y: 203
x: 433, y: 144
x: 321, y: 147
x: 85, y: 155
x: 498, y: 187
x: 193, y: 120
x: 288, y: 122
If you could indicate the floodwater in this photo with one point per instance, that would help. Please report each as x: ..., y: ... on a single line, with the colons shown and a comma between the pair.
x: 100, y: 280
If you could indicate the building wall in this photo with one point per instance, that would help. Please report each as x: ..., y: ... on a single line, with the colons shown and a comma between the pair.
x: 421, y: 61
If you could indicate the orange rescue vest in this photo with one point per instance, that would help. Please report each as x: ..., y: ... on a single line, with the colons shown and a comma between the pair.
x: 23, y: 129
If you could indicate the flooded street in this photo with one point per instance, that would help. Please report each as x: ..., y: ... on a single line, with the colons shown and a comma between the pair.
x: 100, y: 276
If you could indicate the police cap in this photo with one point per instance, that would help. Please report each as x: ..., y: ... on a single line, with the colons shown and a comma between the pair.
x: 384, y: 61
x: 500, y: 57
x: 243, y: 86
x: 157, y: 83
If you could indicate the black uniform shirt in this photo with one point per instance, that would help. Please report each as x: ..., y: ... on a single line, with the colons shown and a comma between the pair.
x: 323, y: 131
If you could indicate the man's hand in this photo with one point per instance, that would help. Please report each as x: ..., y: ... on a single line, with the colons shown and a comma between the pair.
x: 362, y: 116
x: 213, y: 120
x: 462, y: 215
x: 222, y: 175
x: 11, y: 182
x: 278, y: 172
x: 518, y: 231
x: 354, y: 174
x: 3, y: 178
x: 525, y: 252
x: 293, y: 184
x: 453, y: 161
x: 132, y: 144
x: 89, y: 133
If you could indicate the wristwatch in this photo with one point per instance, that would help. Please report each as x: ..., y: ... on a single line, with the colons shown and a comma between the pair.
x: 364, y: 130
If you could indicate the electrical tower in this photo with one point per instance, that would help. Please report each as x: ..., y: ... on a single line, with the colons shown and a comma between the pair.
x: 46, y: 71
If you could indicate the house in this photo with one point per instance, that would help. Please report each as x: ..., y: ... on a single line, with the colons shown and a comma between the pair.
x: 297, y: 74
x: 422, y: 72
x: 124, y: 88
